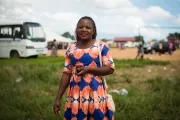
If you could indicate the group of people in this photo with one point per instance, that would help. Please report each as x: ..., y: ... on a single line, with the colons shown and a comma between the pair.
x: 170, y: 47
x: 140, y: 53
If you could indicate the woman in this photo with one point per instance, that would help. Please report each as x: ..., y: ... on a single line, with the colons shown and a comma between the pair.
x: 86, y: 95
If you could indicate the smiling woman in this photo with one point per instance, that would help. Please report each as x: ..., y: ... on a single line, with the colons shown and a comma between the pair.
x: 86, y: 29
x: 86, y: 97
x: 85, y: 33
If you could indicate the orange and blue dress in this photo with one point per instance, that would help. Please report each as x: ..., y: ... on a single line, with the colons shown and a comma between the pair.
x: 86, y: 95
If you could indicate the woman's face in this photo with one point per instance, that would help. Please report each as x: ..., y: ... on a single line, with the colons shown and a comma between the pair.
x: 85, y: 29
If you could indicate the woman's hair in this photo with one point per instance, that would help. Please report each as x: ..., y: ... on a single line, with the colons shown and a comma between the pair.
x: 94, y: 26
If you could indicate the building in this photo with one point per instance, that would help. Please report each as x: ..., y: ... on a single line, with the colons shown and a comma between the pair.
x: 120, y: 41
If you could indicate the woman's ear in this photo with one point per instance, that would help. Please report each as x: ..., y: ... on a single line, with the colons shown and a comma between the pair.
x: 75, y: 35
x: 93, y: 33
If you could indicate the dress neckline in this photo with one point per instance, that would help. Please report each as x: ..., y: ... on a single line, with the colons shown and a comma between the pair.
x: 87, y: 47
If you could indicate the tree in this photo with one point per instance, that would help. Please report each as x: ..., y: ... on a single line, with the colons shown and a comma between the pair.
x: 140, y: 39
x: 104, y: 40
x: 153, y: 40
x: 68, y: 35
x: 177, y: 35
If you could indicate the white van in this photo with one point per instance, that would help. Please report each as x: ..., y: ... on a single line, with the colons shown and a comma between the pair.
x: 26, y: 39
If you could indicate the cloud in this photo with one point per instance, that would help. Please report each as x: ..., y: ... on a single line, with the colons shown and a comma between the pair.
x: 177, y: 20
x: 127, y: 9
x: 61, y: 21
x: 156, y: 12
x: 109, y: 4
x: 154, y: 33
x: 12, y: 12
x: 112, y: 17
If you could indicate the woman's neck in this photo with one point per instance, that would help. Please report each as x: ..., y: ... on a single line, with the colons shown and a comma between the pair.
x: 83, y: 44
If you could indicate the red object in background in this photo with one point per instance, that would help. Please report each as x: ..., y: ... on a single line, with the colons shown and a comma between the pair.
x: 172, y: 38
x: 124, y: 39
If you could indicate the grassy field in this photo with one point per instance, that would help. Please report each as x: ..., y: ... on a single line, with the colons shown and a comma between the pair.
x: 29, y: 87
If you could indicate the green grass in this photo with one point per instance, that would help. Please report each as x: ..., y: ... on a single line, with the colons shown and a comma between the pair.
x: 161, y: 102
x: 34, y: 96
x: 128, y: 63
x: 41, y: 60
x: 123, y: 63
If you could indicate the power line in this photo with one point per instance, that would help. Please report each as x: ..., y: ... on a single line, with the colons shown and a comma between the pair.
x: 161, y: 27
x: 173, y: 27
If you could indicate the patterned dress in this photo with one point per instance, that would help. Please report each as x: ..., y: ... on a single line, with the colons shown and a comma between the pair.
x: 86, y: 96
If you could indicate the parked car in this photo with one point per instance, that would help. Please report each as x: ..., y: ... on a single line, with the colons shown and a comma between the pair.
x: 148, y: 48
x: 155, y: 47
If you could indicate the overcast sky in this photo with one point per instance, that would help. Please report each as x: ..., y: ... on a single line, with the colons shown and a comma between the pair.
x: 114, y: 18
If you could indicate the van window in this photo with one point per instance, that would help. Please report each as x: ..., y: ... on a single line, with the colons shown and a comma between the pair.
x: 17, y: 32
x: 5, y: 32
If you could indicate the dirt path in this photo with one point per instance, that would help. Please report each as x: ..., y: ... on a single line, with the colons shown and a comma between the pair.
x: 130, y: 53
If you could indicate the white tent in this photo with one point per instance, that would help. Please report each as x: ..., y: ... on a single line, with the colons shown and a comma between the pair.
x: 50, y: 36
x: 69, y: 40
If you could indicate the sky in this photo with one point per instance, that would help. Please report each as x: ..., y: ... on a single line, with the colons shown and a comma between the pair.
x: 113, y: 18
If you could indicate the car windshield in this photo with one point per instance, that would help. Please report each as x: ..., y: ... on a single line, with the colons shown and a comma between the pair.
x: 34, y: 32
x: 154, y: 44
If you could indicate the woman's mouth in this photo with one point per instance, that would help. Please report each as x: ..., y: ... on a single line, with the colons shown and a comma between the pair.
x: 84, y: 34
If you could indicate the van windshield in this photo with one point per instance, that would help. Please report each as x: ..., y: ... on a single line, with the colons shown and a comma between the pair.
x: 34, y: 32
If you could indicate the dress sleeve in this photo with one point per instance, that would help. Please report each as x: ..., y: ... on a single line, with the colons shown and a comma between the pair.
x: 107, y: 56
x: 67, y: 63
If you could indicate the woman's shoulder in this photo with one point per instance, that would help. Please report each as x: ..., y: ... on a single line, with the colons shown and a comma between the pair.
x: 100, y: 42
x: 72, y: 44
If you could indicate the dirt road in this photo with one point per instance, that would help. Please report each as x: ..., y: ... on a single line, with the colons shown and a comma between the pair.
x: 130, y: 53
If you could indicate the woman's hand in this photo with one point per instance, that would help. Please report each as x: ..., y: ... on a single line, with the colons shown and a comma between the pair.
x: 81, y: 70
x: 57, y: 107
x: 99, y: 71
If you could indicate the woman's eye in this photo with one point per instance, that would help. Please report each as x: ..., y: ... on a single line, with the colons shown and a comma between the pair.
x: 88, y: 27
x: 80, y: 27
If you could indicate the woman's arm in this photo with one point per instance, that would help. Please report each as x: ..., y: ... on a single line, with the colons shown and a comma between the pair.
x: 101, y: 71
x: 62, y: 88
x: 63, y: 85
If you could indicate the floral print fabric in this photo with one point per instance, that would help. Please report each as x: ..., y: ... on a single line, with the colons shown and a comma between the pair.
x: 86, y: 96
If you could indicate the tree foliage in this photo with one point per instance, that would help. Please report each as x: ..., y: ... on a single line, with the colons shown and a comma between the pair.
x: 176, y: 34
x: 68, y: 35
x: 140, y: 39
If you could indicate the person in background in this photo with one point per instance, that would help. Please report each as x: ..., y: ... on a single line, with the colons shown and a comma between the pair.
x: 140, y: 52
x: 86, y: 95
x: 170, y: 48
x: 160, y: 47
x: 54, y: 48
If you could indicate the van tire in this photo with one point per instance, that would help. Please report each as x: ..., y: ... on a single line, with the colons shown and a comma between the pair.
x: 14, y: 54
x: 34, y: 56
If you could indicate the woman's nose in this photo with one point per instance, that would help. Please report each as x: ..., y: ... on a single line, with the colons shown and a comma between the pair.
x: 84, y: 29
